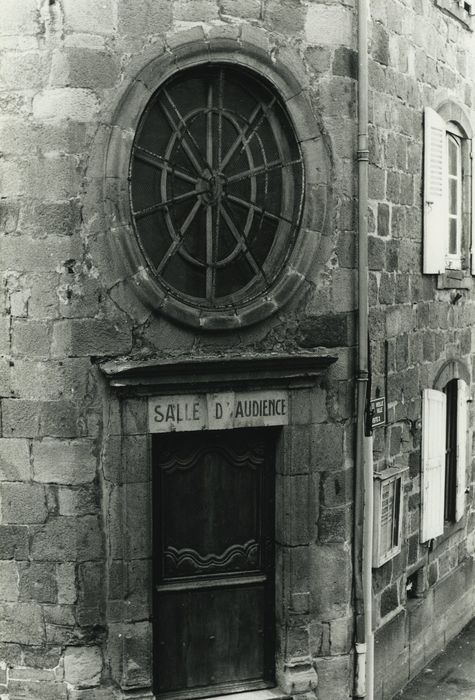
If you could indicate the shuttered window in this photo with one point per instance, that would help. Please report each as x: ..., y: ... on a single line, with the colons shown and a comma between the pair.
x: 444, y: 457
x: 462, y: 425
x: 447, y: 197
x: 433, y: 463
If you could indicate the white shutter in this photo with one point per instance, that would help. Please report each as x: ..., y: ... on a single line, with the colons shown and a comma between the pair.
x: 435, y: 193
x: 434, y: 407
x: 462, y: 425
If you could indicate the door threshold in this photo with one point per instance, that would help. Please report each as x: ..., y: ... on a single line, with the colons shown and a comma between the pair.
x: 264, y: 694
x: 258, y: 694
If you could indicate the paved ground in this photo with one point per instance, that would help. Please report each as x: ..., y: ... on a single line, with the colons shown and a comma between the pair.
x: 451, y: 675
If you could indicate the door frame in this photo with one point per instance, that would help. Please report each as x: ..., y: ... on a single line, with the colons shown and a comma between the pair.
x: 126, y: 465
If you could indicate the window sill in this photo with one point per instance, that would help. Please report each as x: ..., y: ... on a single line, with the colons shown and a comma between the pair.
x: 449, y: 530
x: 454, y: 279
x: 452, y: 8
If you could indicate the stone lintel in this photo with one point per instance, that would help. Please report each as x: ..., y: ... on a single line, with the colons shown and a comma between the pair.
x: 217, y: 372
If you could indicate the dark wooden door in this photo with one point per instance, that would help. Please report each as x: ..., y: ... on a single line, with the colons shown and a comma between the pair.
x: 214, y: 561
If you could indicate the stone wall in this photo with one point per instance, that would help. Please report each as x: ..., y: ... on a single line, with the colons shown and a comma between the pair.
x: 64, y: 586
x: 420, y: 56
x: 65, y: 67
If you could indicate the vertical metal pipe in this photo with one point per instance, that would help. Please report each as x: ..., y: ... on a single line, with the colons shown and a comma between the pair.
x: 364, y: 465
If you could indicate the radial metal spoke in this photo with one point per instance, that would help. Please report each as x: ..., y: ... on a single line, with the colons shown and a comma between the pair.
x: 177, y: 243
x: 163, y: 205
x: 184, y: 126
x: 246, y: 135
x: 210, y: 255
x: 162, y: 163
x: 241, y: 240
x: 273, y: 165
x: 220, y: 116
x: 260, y: 210
x: 210, y: 251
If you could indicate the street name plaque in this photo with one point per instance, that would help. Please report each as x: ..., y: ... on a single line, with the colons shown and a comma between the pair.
x: 187, y: 412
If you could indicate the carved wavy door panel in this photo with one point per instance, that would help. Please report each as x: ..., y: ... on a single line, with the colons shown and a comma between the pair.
x: 214, y: 520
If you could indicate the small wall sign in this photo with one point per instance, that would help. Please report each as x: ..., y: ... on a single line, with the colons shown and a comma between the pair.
x: 378, y: 411
x: 186, y: 412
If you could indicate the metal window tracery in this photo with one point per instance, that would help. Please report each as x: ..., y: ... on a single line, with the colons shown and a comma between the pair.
x: 216, y: 180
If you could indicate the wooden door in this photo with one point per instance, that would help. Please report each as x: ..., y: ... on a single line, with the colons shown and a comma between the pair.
x: 214, y: 561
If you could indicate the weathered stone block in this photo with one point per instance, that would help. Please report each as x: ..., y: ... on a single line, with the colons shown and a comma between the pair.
x: 18, y: 18
x: 39, y: 418
x: 91, y: 577
x: 32, y: 338
x: 152, y: 17
x: 66, y: 582
x: 295, y: 456
x: 37, y: 690
x: 285, y: 16
x: 42, y: 657
x: 21, y: 623
x: 329, y: 25
x: 242, y: 8
x: 345, y: 62
x: 82, y: 500
x: 55, y: 104
x: 22, y: 253
x: 334, y: 524
x: 135, y: 416
x: 135, y: 458
x: 299, y: 677
x: 13, y: 542
x: 83, y: 666
x: 337, y: 97
x: 14, y: 456
x: 78, y: 337
x: 89, y: 17
x: 8, y: 581
x: 334, y: 677
x: 69, y: 539
x: 139, y: 537
x: 64, y: 461
x: 137, y: 655
x: 22, y: 503
x: 336, y: 488
x: 83, y: 68
x: 331, y: 580
x: 453, y: 585
x: 389, y: 600
x: 389, y: 642
x: 92, y: 694
x: 327, y: 446
x: 341, y: 636
x: 330, y: 331
x: 138, y: 589
x: 38, y: 583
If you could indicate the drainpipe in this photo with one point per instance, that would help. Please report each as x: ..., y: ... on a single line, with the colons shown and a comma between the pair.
x: 364, y: 671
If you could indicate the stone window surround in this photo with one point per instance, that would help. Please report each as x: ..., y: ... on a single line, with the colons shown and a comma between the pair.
x: 114, y: 144
x: 453, y: 8
x: 460, y: 279
x: 127, y: 506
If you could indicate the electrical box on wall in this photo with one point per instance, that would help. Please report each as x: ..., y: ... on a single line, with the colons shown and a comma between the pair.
x: 388, y: 504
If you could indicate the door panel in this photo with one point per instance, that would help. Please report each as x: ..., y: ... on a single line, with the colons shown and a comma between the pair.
x: 211, y: 637
x: 214, y: 521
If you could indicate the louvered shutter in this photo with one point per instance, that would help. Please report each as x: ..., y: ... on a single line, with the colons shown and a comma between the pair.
x: 462, y: 425
x: 435, y: 193
x: 434, y: 407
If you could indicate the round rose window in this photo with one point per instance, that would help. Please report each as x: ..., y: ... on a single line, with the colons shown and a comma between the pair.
x: 216, y: 180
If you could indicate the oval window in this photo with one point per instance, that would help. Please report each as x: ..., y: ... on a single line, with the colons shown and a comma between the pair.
x: 216, y: 185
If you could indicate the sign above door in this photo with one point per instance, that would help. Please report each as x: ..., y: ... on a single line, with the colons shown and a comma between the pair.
x: 221, y: 411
